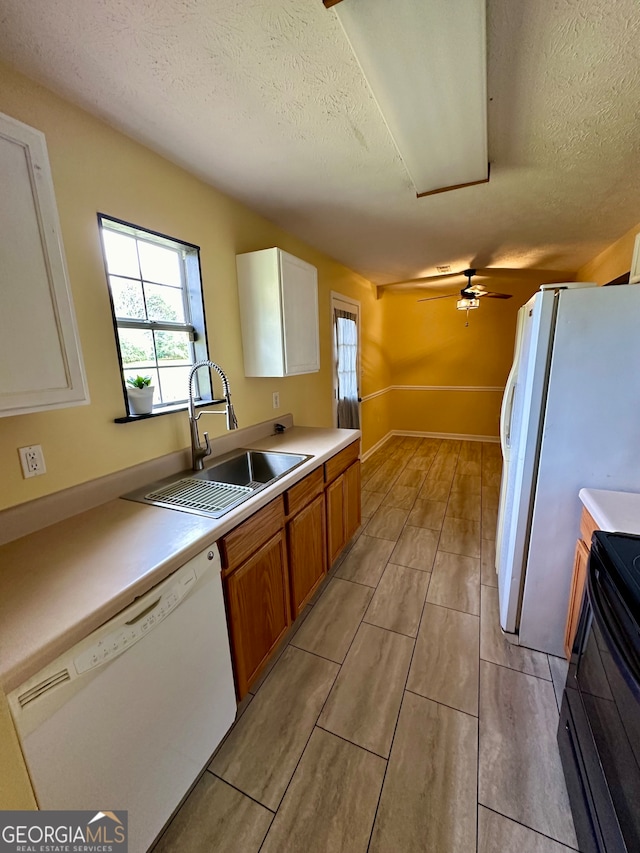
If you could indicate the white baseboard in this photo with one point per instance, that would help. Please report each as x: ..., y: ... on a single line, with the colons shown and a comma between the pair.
x: 375, y: 447
x: 456, y: 436
x: 459, y: 436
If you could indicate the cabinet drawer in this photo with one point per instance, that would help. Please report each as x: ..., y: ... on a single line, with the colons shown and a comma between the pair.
x: 587, y: 526
x: 298, y: 496
x: 341, y: 461
x: 247, y: 537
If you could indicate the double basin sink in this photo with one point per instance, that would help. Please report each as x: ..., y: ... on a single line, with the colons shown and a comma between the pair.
x: 219, y: 488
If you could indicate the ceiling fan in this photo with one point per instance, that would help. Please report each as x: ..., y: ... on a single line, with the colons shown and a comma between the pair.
x: 470, y: 295
x: 534, y: 275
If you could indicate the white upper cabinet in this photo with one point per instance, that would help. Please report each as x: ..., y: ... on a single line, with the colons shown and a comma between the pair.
x: 279, y: 314
x: 40, y: 359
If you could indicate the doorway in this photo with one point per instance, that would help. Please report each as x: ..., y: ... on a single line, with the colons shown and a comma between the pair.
x: 345, y: 322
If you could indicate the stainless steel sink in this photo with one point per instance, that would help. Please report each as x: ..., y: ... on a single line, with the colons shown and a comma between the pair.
x: 222, y: 486
x: 252, y: 468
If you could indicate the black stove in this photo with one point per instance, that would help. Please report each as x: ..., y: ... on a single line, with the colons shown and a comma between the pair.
x: 599, y: 732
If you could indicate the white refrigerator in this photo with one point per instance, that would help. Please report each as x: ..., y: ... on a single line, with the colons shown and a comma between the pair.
x: 570, y: 419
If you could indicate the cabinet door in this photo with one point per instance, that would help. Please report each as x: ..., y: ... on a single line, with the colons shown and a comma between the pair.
x: 257, y: 595
x: 307, y: 553
x: 335, y: 518
x: 352, y: 502
x: 278, y: 296
x: 40, y: 360
x: 299, y: 283
x: 577, y: 591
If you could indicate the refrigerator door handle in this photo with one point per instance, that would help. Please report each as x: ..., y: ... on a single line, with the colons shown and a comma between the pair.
x: 506, y: 411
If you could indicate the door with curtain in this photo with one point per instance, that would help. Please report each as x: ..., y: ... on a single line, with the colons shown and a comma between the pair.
x: 346, y: 360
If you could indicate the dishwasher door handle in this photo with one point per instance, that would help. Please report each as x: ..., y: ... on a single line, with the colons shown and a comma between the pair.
x: 144, y: 612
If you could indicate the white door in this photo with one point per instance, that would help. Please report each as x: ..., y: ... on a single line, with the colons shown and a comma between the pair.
x: 345, y: 322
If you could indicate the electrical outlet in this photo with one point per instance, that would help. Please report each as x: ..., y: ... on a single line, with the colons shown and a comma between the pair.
x: 276, y: 399
x: 32, y: 461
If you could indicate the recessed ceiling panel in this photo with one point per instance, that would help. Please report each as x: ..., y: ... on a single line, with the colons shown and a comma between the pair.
x: 426, y: 65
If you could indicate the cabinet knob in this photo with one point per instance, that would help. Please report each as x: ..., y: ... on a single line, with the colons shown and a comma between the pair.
x: 211, y: 555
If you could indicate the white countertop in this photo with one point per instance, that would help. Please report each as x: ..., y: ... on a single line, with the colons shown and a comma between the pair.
x: 615, y: 512
x: 59, y: 584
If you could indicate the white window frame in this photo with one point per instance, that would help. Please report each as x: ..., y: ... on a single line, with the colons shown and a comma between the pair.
x: 194, y: 325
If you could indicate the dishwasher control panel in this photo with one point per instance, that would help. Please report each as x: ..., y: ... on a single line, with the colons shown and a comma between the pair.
x: 112, y: 644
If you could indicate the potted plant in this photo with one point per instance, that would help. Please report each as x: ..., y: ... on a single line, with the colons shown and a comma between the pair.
x: 140, y: 394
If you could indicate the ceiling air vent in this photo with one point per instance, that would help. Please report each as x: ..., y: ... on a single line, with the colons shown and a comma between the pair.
x: 48, y: 684
x: 444, y: 269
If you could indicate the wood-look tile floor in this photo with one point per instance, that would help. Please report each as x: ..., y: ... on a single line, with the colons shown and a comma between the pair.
x: 395, y: 717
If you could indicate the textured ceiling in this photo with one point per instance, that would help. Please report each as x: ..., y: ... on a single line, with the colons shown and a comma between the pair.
x: 263, y: 99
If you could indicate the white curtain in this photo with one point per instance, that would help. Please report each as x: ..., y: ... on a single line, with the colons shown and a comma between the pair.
x: 347, y: 357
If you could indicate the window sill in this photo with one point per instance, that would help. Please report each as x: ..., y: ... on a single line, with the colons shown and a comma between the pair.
x: 167, y: 410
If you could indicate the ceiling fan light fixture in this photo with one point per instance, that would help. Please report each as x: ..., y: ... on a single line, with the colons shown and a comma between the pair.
x: 467, y: 304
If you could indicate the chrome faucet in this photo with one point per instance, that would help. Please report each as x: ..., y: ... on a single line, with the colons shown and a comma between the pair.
x: 198, y: 452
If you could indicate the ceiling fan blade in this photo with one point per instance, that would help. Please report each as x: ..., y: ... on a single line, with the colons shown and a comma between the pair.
x: 431, y: 298
x: 427, y: 279
x: 537, y: 276
x: 494, y: 295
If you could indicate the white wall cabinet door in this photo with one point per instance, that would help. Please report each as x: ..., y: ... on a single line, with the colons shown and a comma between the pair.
x: 299, y: 284
x: 40, y: 359
x: 279, y: 313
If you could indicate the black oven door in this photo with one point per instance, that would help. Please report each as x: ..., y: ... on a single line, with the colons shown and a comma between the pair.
x: 599, y: 733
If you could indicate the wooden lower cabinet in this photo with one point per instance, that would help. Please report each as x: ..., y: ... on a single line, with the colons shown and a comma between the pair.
x: 336, y: 531
x: 273, y: 562
x: 352, y: 500
x: 258, y: 601
x: 577, y: 591
x: 343, y: 509
x: 306, y: 543
x: 578, y: 579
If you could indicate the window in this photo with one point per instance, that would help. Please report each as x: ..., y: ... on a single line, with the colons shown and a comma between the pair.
x: 158, y: 312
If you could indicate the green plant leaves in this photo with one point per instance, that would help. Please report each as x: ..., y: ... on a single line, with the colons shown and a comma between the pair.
x: 139, y: 381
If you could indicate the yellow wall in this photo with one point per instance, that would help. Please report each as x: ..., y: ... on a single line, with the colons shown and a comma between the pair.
x: 465, y: 413
x: 428, y: 344
x: 613, y: 262
x: 95, y: 168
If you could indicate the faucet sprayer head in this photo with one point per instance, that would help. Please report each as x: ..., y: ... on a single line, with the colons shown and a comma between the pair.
x: 232, y: 421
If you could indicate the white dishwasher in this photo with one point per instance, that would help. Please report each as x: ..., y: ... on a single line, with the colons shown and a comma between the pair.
x: 128, y: 718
